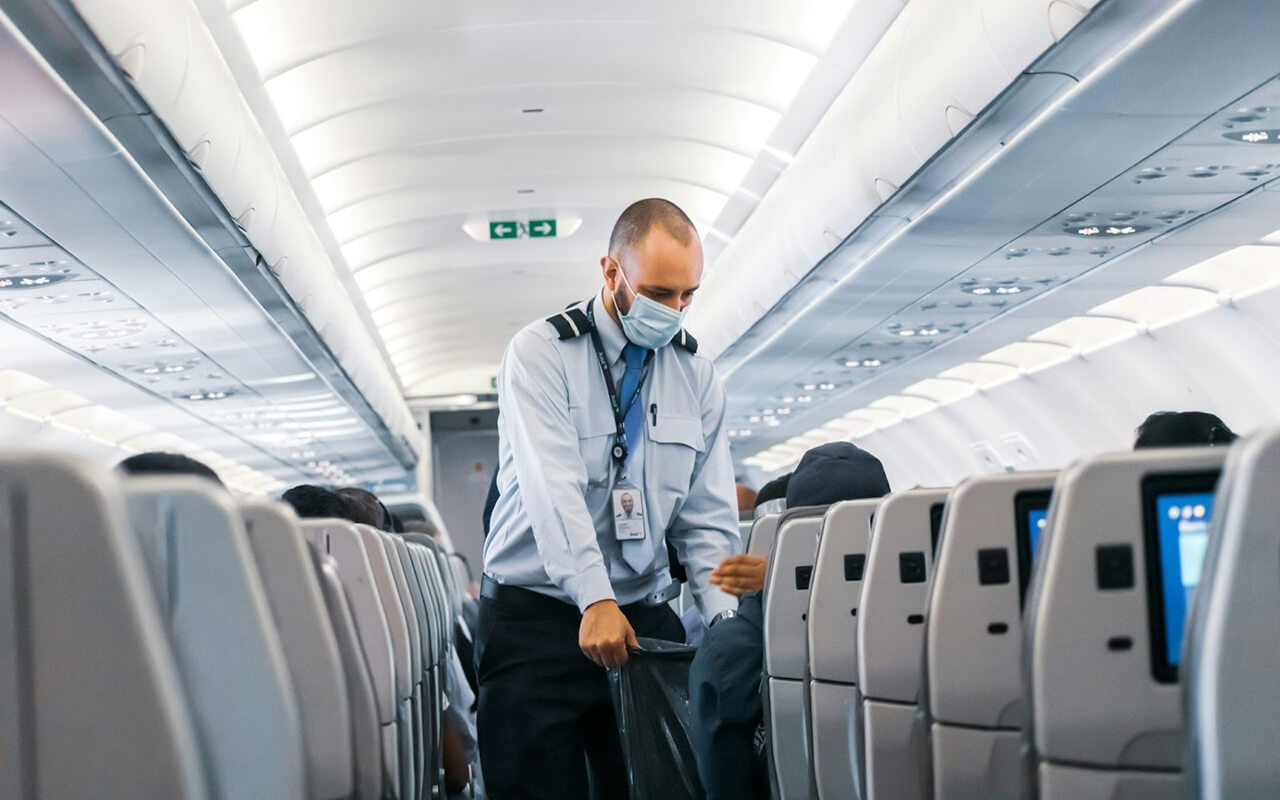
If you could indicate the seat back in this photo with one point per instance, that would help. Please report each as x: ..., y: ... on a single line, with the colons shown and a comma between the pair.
x: 831, y: 641
x: 221, y: 629
x: 88, y: 681
x: 972, y: 698
x: 763, y: 530
x: 366, y: 728
x: 1103, y: 652
x: 288, y: 576
x: 340, y: 540
x: 890, y: 637
x: 1231, y: 695
x: 786, y: 609
x: 973, y: 627
x: 413, y: 765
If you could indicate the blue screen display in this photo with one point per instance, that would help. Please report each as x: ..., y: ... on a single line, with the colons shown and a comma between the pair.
x: 1182, y: 524
x: 1037, y: 518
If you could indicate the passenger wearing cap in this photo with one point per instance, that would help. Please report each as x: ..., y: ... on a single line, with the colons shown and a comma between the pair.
x: 614, y: 471
x: 726, y: 713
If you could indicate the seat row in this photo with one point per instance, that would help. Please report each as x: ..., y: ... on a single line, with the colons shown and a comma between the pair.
x: 1023, y: 634
x: 160, y: 639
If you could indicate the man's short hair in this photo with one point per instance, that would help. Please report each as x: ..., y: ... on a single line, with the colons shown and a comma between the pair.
x: 167, y: 464
x: 1182, y: 429
x: 643, y: 216
x: 368, y: 507
x: 317, y: 502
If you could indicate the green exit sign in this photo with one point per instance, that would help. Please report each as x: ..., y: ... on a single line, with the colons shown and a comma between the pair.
x: 533, y: 229
x: 504, y: 230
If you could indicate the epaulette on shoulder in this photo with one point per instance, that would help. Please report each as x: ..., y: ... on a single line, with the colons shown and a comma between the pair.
x: 685, y: 340
x: 570, y: 323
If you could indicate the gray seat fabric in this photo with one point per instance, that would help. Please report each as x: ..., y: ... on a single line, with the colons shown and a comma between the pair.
x: 220, y: 626
x: 786, y: 607
x: 91, y: 701
x: 973, y: 704
x: 1104, y: 723
x: 311, y: 650
x: 831, y: 641
x: 415, y: 660
x: 1233, y: 642
x: 760, y: 540
x: 891, y: 646
x: 341, y: 540
x: 366, y: 727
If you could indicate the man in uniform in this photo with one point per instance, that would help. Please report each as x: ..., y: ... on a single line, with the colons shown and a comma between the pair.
x: 605, y: 401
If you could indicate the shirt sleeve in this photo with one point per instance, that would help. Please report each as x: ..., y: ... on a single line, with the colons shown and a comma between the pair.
x: 534, y: 398
x: 705, y: 532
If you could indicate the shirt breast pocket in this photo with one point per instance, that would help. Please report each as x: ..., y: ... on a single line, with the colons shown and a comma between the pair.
x: 677, y: 441
x: 596, y: 431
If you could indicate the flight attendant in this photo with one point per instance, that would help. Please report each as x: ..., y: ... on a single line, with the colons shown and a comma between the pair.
x: 606, y: 410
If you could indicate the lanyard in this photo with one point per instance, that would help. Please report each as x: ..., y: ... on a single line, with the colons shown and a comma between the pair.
x: 620, y: 450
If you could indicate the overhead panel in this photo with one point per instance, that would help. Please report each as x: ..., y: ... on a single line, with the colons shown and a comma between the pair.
x: 418, y: 126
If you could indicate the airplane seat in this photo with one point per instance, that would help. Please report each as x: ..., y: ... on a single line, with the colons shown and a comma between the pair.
x: 890, y: 634
x: 1105, y: 622
x: 220, y: 626
x: 760, y: 540
x: 834, y: 601
x: 744, y: 534
x: 310, y: 648
x: 401, y: 647
x: 786, y: 609
x: 342, y: 541
x: 366, y: 726
x: 88, y: 680
x: 426, y: 656
x: 422, y: 548
x: 415, y: 659
x: 972, y: 694
x: 1232, y: 646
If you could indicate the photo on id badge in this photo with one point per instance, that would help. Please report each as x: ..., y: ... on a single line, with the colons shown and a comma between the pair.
x: 628, y: 513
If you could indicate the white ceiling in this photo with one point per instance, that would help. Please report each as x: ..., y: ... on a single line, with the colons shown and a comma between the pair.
x: 409, y: 120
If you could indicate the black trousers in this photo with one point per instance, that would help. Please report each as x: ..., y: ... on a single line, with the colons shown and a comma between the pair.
x: 545, y: 725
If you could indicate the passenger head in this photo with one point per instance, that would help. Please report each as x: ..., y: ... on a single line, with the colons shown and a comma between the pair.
x: 317, y: 502
x: 834, y: 472
x: 654, y: 251
x: 1182, y: 429
x: 369, y: 510
x: 166, y: 464
x: 422, y: 526
x: 746, y: 498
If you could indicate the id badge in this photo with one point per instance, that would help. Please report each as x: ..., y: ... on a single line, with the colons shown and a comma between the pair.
x: 628, y: 513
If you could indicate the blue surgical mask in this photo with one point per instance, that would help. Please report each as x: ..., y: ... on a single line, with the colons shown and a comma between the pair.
x: 649, y: 324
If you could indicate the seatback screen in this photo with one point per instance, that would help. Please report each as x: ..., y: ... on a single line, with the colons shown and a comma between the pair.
x: 1176, y: 515
x: 1030, y: 514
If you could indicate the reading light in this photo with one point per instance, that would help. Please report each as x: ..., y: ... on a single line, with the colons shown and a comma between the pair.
x: 826, y: 387
x: 1269, y: 136
x: 865, y: 363
x: 1122, y: 229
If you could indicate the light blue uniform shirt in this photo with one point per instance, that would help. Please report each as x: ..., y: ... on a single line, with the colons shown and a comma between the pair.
x: 552, y: 529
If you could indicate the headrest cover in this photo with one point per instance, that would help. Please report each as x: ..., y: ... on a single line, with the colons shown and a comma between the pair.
x: 834, y: 472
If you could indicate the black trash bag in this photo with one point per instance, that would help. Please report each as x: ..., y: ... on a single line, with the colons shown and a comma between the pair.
x: 651, y: 699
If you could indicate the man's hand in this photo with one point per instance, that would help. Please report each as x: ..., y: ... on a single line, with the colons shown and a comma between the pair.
x: 739, y: 575
x: 605, y: 634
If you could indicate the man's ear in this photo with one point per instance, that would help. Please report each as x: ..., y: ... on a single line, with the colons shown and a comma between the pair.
x: 609, y: 268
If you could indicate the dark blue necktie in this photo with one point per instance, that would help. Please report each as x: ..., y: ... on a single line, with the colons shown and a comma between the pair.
x: 638, y: 553
x: 634, y: 356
